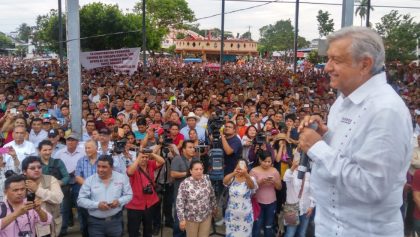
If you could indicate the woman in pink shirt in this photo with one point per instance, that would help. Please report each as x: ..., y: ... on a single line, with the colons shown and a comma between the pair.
x: 268, y: 179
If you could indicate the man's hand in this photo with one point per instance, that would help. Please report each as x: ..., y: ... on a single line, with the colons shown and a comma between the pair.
x: 114, y: 204
x: 309, y: 212
x: 307, y: 138
x: 25, y: 208
x: 308, y: 120
x: 12, y: 152
x: 31, y: 185
x: 103, y: 206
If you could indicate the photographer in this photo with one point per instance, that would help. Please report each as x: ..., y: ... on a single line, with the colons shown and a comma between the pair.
x: 163, y: 180
x: 48, y: 190
x: 12, y: 217
x: 232, y: 146
x: 140, y: 208
x: 259, y: 145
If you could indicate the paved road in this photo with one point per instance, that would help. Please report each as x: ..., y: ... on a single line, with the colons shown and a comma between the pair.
x: 167, y: 232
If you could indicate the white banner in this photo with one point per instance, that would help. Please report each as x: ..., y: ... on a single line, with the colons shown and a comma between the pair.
x: 120, y: 59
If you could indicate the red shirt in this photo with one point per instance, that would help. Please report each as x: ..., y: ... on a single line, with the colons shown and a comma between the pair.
x: 179, y: 137
x: 416, y: 188
x: 138, y: 181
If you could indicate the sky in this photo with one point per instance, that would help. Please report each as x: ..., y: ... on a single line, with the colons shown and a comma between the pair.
x: 13, y: 13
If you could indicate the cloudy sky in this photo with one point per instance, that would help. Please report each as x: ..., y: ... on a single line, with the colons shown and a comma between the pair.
x: 15, y: 12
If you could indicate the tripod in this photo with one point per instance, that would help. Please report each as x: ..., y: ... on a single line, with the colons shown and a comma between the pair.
x: 164, y: 153
x: 216, y: 182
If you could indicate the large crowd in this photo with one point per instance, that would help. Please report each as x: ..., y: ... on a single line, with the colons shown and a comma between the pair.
x: 149, y: 142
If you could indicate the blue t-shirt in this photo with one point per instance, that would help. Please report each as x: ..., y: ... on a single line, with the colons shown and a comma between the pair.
x: 231, y: 160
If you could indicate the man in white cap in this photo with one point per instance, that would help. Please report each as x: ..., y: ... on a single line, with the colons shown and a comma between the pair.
x: 192, y: 120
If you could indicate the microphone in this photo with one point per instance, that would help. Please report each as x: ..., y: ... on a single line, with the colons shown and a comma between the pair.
x: 304, y: 159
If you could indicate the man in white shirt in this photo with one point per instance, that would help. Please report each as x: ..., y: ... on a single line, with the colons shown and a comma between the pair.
x: 361, y: 157
x: 19, y: 149
x: 37, y: 134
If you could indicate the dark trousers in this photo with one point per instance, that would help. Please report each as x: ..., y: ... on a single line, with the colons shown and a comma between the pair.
x: 69, y: 201
x: 136, y: 218
x: 105, y: 228
x: 166, y: 201
x: 82, y: 215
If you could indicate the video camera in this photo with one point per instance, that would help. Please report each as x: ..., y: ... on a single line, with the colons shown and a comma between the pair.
x: 119, y: 146
x: 260, y: 138
x: 215, y: 123
x: 167, y: 140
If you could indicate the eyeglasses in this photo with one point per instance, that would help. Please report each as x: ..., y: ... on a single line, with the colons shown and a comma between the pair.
x: 228, y: 127
x: 35, y: 167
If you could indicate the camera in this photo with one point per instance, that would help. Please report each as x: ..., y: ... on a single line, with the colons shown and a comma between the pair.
x: 260, y: 138
x: 215, y: 123
x: 167, y: 140
x: 148, y: 189
x: 147, y: 150
x: 119, y: 146
x: 25, y: 234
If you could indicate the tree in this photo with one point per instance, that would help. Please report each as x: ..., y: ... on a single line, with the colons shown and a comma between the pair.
x: 98, y: 23
x: 166, y: 14
x: 279, y: 37
x: 246, y: 35
x: 313, y: 57
x: 5, y: 42
x: 325, y: 24
x: 361, y: 10
x: 399, y: 33
x: 24, y: 31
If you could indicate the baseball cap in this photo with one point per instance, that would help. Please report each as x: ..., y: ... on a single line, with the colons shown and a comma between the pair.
x: 104, y: 110
x: 105, y: 131
x: 53, y: 133
x: 73, y: 136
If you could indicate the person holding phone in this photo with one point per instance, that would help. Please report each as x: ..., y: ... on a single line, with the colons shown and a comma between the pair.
x: 239, y: 217
x: 268, y: 180
x: 104, y: 195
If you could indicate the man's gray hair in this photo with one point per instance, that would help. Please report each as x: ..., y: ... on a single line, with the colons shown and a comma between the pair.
x: 365, y: 43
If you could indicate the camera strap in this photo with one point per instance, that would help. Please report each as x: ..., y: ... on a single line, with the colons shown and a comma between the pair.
x: 17, y: 223
x: 147, y: 176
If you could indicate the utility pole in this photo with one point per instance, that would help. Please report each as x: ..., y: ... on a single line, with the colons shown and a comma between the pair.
x: 296, y: 37
x: 368, y: 13
x: 144, y: 40
x: 60, y: 36
x: 222, y: 41
x: 74, y: 68
x: 347, y: 13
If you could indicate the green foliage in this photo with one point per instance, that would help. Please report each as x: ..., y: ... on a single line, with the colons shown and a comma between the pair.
x: 5, y: 42
x: 24, y: 31
x: 166, y: 14
x: 325, y: 24
x: 103, y: 20
x: 399, y: 33
x: 361, y: 10
x: 246, y: 35
x: 279, y: 37
x: 313, y: 57
x: 180, y: 36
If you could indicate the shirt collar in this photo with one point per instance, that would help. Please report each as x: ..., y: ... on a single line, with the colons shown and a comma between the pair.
x: 366, y: 88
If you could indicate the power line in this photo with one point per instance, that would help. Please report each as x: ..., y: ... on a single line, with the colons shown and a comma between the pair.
x: 320, y: 3
x: 266, y: 2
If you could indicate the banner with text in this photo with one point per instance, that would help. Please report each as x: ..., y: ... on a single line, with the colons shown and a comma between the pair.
x: 120, y: 59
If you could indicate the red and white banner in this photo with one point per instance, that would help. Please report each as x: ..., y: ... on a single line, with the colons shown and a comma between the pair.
x: 120, y: 60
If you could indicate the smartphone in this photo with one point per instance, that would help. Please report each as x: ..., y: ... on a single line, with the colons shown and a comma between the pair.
x: 173, y: 102
x: 270, y: 177
x: 4, y: 150
x: 242, y: 165
x: 13, y: 111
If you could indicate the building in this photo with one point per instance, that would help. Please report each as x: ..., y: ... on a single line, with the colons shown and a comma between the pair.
x: 209, y: 49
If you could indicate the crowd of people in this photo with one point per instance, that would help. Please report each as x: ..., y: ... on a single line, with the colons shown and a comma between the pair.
x: 148, y: 144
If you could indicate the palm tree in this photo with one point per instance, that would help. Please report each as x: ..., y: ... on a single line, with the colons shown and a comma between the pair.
x: 361, y: 10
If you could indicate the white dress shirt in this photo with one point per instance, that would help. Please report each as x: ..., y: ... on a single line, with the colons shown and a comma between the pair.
x: 70, y: 159
x: 23, y: 150
x: 36, y: 138
x: 294, y: 185
x: 360, y: 165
